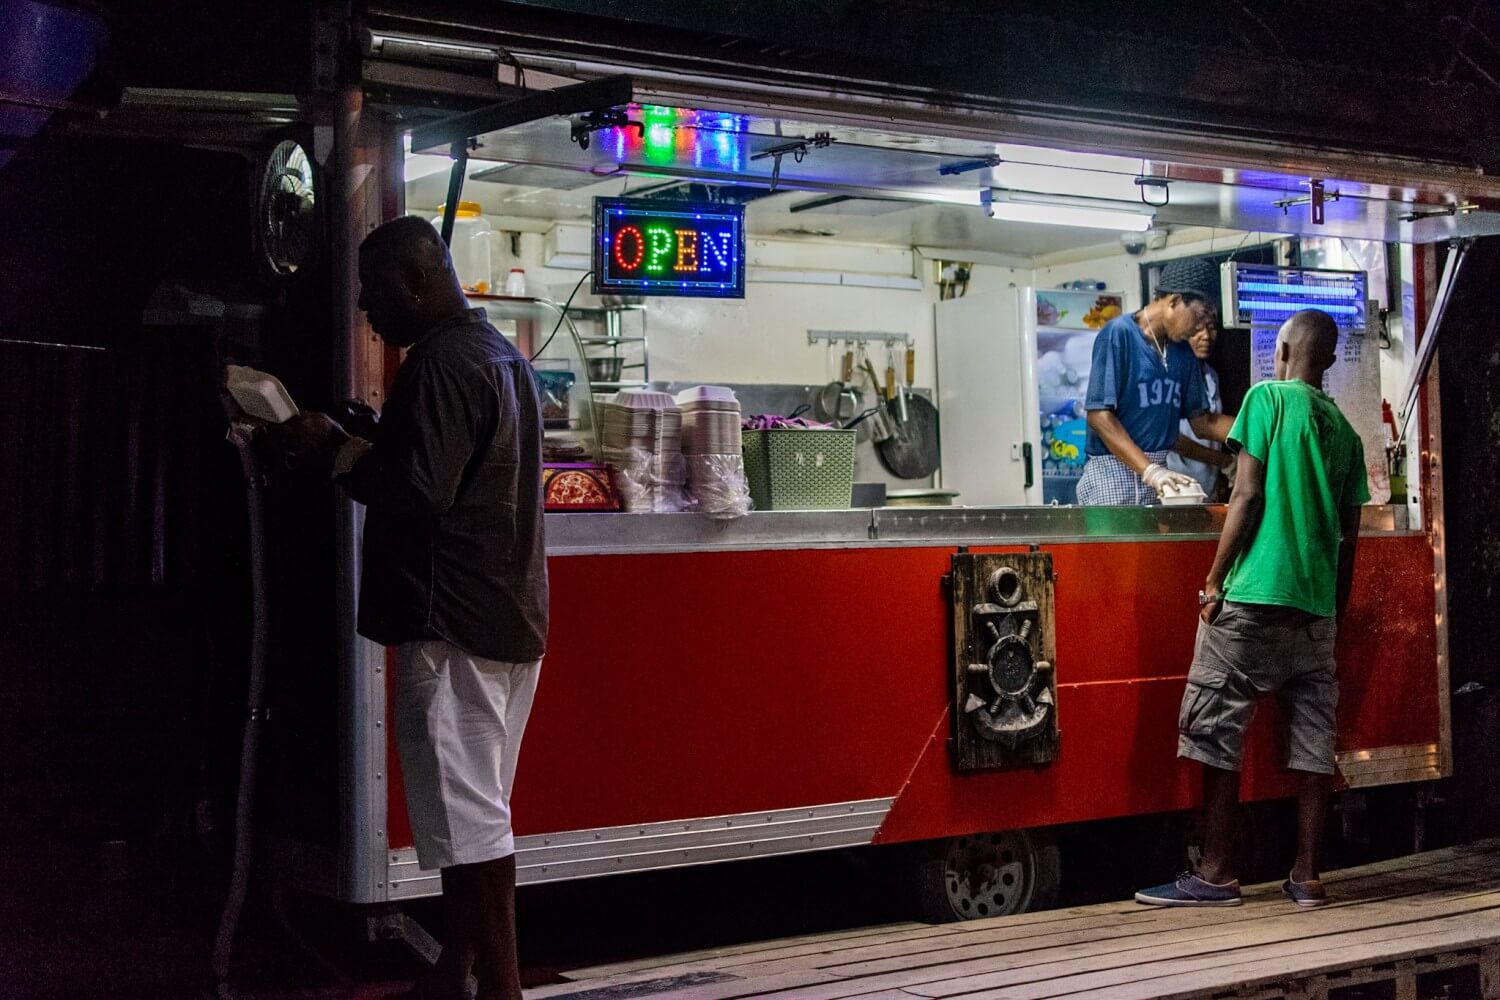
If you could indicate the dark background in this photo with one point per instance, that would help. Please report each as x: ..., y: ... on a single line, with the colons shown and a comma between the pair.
x: 123, y: 595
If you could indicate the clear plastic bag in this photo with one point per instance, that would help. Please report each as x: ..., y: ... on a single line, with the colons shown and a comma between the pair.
x: 717, y: 486
x: 648, y: 481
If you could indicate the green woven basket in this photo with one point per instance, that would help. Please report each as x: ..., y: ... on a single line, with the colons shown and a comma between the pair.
x: 799, y: 469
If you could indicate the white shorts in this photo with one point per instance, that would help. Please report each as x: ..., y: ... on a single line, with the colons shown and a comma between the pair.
x: 459, y: 720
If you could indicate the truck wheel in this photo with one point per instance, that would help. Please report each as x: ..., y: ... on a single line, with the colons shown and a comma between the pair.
x: 987, y: 875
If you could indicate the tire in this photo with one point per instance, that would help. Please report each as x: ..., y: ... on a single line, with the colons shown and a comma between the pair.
x: 986, y: 875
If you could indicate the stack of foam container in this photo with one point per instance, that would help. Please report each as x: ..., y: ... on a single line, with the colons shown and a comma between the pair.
x: 641, y: 434
x: 711, y: 444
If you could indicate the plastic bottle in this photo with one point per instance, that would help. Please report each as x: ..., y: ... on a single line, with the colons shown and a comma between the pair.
x: 1388, y: 418
x: 470, y: 246
x: 515, y: 283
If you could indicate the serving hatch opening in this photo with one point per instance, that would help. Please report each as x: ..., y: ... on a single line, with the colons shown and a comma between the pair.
x: 856, y: 226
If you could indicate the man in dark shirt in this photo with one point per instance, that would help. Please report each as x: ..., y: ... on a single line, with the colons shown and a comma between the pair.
x: 454, y: 577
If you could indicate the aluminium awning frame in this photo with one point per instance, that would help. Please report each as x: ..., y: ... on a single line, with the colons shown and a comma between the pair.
x: 735, y: 81
x: 456, y: 133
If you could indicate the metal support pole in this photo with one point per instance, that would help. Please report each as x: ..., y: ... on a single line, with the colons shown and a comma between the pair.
x: 361, y: 174
x: 1428, y: 345
x: 460, y: 153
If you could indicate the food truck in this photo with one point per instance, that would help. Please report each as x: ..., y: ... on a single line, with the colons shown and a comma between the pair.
x: 963, y: 657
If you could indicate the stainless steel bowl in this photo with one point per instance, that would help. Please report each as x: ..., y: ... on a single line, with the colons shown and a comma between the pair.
x: 605, y: 369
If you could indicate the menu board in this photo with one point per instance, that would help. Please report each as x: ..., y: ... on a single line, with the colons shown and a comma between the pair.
x: 1266, y: 296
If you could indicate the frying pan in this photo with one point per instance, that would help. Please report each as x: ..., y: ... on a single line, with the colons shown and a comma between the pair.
x: 912, y: 451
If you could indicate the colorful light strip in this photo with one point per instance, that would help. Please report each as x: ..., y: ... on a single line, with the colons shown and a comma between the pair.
x: 1262, y: 305
x: 678, y: 137
x: 1345, y: 291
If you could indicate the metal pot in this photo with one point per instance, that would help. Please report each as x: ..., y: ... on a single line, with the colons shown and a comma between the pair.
x: 605, y: 369
x: 837, y: 402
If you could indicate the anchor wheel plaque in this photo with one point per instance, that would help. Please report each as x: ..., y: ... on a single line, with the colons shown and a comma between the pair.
x: 1004, y: 683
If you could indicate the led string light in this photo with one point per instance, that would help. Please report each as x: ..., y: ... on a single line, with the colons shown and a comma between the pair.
x: 659, y: 245
x: 687, y: 250
x: 721, y: 246
x: 640, y: 248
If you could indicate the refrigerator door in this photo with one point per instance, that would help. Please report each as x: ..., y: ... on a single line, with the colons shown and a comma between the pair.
x: 1062, y: 325
x: 988, y: 430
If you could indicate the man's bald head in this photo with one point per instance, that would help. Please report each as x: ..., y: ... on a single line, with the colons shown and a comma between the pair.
x: 406, y: 280
x: 409, y: 241
x: 1307, y: 346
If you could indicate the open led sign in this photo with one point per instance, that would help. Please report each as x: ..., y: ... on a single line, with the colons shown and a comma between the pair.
x: 646, y: 247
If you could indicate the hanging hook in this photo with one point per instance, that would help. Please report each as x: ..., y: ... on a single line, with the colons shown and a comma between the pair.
x: 1161, y: 183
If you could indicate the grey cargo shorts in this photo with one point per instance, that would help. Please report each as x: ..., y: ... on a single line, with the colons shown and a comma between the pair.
x: 1249, y: 651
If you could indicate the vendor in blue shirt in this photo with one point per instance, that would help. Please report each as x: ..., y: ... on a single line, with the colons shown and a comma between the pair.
x: 1144, y: 381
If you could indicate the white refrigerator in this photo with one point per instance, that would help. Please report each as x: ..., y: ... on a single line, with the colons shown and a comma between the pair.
x: 1013, y: 370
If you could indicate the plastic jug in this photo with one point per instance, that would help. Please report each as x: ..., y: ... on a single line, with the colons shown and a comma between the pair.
x: 470, y: 247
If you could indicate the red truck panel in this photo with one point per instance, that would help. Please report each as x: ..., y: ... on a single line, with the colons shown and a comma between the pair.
x: 698, y: 684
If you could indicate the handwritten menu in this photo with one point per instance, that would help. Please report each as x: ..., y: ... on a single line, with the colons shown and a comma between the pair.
x: 1354, y: 384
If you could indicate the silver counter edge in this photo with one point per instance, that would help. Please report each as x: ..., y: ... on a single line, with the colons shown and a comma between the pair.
x: 884, y: 527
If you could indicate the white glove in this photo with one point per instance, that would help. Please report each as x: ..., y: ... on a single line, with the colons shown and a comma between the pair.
x: 1164, y: 481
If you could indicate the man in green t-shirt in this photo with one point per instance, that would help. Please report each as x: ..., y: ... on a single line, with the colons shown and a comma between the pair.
x: 1279, y: 581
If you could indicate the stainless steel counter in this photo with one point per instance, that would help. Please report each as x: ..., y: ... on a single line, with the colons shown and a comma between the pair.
x: 618, y: 534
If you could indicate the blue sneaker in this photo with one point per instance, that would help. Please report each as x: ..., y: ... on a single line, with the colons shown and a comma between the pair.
x: 1190, y: 890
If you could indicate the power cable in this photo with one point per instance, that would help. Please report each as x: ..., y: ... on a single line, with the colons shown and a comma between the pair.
x: 561, y: 315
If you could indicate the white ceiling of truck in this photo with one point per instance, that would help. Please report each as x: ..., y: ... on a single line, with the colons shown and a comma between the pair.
x: 910, y: 189
x: 945, y: 226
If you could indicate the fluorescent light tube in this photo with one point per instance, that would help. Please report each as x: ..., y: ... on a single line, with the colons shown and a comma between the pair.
x: 1002, y: 205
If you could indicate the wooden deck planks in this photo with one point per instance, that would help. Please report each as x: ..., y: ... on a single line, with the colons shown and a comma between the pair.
x: 1449, y: 862
x: 1442, y: 899
x: 1000, y: 938
x: 1212, y: 937
x: 1391, y: 945
x: 1120, y: 961
x: 1280, y: 942
x: 658, y: 962
x: 997, y: 949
